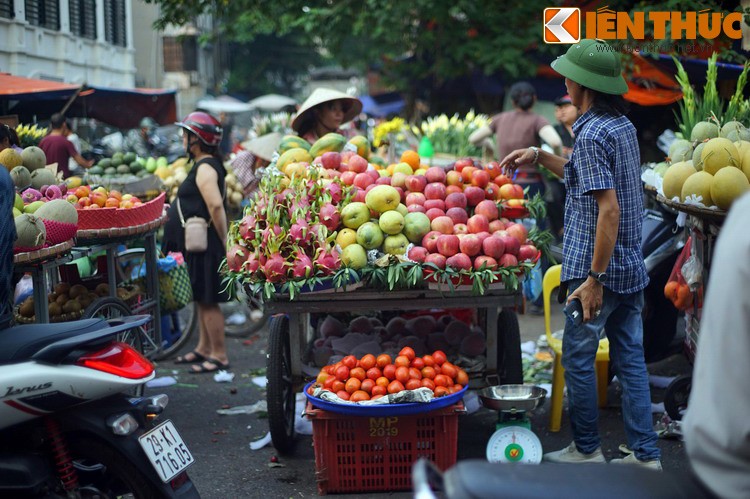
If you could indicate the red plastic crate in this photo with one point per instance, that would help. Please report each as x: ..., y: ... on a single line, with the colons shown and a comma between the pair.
x: 364, y: 454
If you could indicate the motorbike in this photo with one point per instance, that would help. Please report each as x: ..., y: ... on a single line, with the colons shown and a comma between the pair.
x: 478, y: 479
x: 69, y: 427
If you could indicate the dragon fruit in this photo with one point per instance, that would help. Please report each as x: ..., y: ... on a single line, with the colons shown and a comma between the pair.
x: 247, y: 227
x: 252, y: 264
x: 329, y: 216
x: 302, y: 267
x: 327, y: 260
x: 275, y: 268
x: 335, y: 192
x: 236, y: 257
x: 300, y: 231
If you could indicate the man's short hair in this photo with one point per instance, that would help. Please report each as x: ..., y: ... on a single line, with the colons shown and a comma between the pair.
x: 57, y: 120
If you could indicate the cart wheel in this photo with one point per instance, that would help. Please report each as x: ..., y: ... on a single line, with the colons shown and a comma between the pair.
x: 509, y: 364
x: 280, y: 389
x: 109, y: 307
x: 676, y: 396
x: 250, y: 308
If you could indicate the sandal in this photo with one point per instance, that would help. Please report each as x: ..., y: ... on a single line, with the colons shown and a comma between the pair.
x: 196, y: 357
x: 201, y: 368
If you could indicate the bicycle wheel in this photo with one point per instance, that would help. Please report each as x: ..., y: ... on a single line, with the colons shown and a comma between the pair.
x: 280, y: 388
x: 182, y: 324
x: 244, y: 316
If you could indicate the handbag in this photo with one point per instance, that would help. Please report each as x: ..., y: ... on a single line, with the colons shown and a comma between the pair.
x: 196, y: 232
x: 175, y: 291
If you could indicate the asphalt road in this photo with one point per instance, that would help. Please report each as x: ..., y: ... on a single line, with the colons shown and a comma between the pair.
x: 227, y: 468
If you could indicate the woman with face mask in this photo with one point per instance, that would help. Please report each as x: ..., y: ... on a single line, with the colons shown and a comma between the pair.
x: 202, y: 195
x: 324, y: 112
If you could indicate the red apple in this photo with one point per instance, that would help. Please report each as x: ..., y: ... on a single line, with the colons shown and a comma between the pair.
x: 429, y: 241
x: 348, y: 177
x: 501, y: 180
x: 346, y: 156
x: 462, y: 163
x: 416, y: 183
x: 492, y: 192
x: 511, y: 191
x: 383, y: 181
x: 442, y: 224
x: 436, y: 259
x: 508, y: 260
x: 511, y: 244
x: 453, y: 189
x: 435, y: 174
x: 518, y: 231
x: 448, y: 244
x: 460, y: 229
x: 487, y: 261
x: 480, y: 178
x: 398, y: 179
x: 458, y: 215
x: 434, y: 213
x: 454, y: 178
x: 357, y: 164
x: 418, y: 254
x: 496, y: 225
x: 493, y: 246
x: 457, y: 200
x: 435, y: 190
x: 493, y: 168
x: 331, y: 160
x: 373, y: 173
x: 483, y: 235
x: 415, y: 198
x: 416, y: 207
x: 401, y: 193
x: 488, y: 209
x: 474, y: 195
x: 478, y: 223
x: 369, y: 187
x: 363, y: 180
x: 434, y: 203
x: 470, y: 244
x: 527, y: 252
x: 459, y: 261
x: 359, y: 197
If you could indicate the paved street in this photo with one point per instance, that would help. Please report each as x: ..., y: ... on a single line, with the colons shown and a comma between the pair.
x: 226, y: 467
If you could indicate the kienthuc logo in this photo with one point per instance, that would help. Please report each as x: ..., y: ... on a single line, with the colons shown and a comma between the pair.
x: 562, y: 25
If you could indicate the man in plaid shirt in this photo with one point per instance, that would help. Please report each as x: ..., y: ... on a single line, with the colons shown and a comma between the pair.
x: 602, y: 264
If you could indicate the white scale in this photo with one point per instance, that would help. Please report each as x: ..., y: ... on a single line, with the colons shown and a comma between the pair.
x: 513, y: 440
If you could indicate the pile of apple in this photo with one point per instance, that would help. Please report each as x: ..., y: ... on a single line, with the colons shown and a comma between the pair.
x: 372, y: 377
x: 86, y: 198
x: 461, y: 226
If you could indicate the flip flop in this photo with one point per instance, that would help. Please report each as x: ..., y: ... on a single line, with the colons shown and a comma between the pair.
x: 197, y: 357
x: 200, y: 368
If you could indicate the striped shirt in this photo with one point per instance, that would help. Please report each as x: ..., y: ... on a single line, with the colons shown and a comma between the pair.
x: 605, y: 156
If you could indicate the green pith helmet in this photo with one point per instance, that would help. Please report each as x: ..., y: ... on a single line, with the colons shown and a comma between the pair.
x: 593, y: 64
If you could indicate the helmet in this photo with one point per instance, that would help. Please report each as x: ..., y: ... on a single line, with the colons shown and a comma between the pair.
x: 593, y: 64
x: 206, y: 127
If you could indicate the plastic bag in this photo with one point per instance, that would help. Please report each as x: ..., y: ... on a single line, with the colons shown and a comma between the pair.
x: 685, y: 281
x: 532, y: 285
x: 24, y: 289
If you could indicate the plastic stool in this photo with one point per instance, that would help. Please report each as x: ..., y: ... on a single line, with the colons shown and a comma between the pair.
x: 552, y: 281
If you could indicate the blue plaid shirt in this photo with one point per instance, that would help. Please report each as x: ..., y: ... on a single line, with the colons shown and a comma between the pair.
x: 7, y: 238
x: 605, y: 156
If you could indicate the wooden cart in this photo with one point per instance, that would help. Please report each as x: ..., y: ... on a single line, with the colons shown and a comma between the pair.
x: 290, y: 335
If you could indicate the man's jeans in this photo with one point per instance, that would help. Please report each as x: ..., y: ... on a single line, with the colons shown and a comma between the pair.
x: 621, y: 319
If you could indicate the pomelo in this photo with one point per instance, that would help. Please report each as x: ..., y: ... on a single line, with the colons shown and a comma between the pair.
x: 10, y: 158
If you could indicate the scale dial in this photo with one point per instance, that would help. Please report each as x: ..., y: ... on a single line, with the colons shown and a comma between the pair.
x: 514, y: 444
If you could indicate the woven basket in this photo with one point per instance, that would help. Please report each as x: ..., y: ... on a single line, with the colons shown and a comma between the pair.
x: 59, y: 232
x: 58, y: 318
x: 106, y: 218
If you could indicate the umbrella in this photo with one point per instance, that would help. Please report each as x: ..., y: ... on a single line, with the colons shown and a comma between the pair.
x: 272, y: 102
x: 223, y: 106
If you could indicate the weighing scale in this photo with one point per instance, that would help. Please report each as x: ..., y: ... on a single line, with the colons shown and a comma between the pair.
x: 513, y: 440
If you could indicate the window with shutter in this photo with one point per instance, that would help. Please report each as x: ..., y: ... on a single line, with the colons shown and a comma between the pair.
x: 44, y: 13
x: 6, y: 9
x: 83, y: 18
x: 172, y: 54
x: 115, y: 27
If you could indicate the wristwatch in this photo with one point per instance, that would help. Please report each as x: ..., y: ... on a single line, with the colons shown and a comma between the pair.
x: 600, y: 277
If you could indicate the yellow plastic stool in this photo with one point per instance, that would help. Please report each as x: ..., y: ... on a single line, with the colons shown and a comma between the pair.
x: 550, y: 282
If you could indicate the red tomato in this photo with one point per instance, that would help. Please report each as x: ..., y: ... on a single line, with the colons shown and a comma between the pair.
x: 418, y: 363
x: 428, y: 383
x: 395, y: 387
x: 413, y: 384
x: 374, y: 373
x: 367, y: 385
x: 343, y: 395
x: 378, y: 390
x: 382, y: 381
x: 368, y: 361
x: 439, y: 357
x: 429, y: 360
x: 342, y: 373
x: 441, y: 391
x: 383, y: 360
x: 359, y: 396
x: 389, y: 372
x: 428, y: 372
x: 358, y: 373
x: 462, y: 378
x: 407, y: 352
x: 402, y: 374
x: 352, y: 385
x: 402, y: 360
x: 337, y: 386
x: 349, y: 361
x: 415, y: 373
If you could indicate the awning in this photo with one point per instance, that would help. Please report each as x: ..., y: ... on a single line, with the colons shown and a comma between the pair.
x: 272, y: 102
x: 216, y: 106
x: 18, y: 88
x: 649, y: 85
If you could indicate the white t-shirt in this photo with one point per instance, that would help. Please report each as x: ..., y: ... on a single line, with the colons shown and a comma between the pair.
x: 717, y: 424
x: 72, y: 163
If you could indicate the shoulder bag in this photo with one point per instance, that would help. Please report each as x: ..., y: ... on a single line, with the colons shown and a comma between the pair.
x: 196, y: 232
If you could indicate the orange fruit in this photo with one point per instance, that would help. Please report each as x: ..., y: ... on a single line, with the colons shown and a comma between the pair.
x: 670, y: 290
x: 411, y: 158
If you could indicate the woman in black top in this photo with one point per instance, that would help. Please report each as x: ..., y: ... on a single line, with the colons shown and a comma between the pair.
x: 202, y: 195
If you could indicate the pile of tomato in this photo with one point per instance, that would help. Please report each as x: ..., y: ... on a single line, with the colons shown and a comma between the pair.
x: 372, y: 377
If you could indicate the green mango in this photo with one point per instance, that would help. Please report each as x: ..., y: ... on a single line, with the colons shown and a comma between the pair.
x: 151, y: 165
x: 32, y: 207
x: 18, y: 203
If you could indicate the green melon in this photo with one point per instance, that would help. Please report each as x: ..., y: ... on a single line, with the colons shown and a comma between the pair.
x: 680, y: 150
x: 42, y: 177
x: 731, y: 126
x: 728, y: 184
x: 698, y: 184
x: 674, y: 177
x: 10, y: 158
x: 697, y: 162
x: 704, y: 130
x: 21, y: 177
x: 30, y: 231
x: 58, y: 210
x: 33, y: 158
x: 718, y: 153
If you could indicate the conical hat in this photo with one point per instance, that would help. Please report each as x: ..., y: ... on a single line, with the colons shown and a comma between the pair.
x: 264, y: 146
x: 321, y: 95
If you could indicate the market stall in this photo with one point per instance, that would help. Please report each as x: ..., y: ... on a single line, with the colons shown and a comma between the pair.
x: 357, y: 259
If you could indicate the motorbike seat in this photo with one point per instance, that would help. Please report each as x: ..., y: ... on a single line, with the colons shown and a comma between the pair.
x: 20, y: 343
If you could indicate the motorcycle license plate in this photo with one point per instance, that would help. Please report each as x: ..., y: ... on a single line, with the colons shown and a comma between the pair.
x: 166, y: 450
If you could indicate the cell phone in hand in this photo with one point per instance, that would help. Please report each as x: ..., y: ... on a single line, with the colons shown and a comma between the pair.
x: 574, y: 311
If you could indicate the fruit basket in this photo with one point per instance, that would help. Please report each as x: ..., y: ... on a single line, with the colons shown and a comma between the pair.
x: 106, y: 218
x: 367, y: 454
x: 28, y: 255
x: 513, y: 212
x: 72, y: 316
x: 691, y: 209
x: 59, y: 232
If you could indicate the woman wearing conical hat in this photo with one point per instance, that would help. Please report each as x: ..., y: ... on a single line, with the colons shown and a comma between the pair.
x: 324, y: 112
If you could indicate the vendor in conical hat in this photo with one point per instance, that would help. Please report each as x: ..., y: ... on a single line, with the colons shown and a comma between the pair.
x: 248, y: 164
x: 324, y: 112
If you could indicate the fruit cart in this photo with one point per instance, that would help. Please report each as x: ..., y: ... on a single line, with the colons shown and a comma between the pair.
x: 290, y: 335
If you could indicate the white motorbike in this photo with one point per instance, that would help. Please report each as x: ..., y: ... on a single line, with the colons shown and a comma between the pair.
x: 69, y: 428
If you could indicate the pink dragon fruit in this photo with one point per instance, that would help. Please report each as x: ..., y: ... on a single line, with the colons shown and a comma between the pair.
x: 302, y: 267
x: 236, y: 257
x: 275, y: 268
x: 334, y: 190
x: 329, y: 216
x: 247, y: 227
x: 300, y: 231
x: 328, y: 260
x: 252, y: 264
